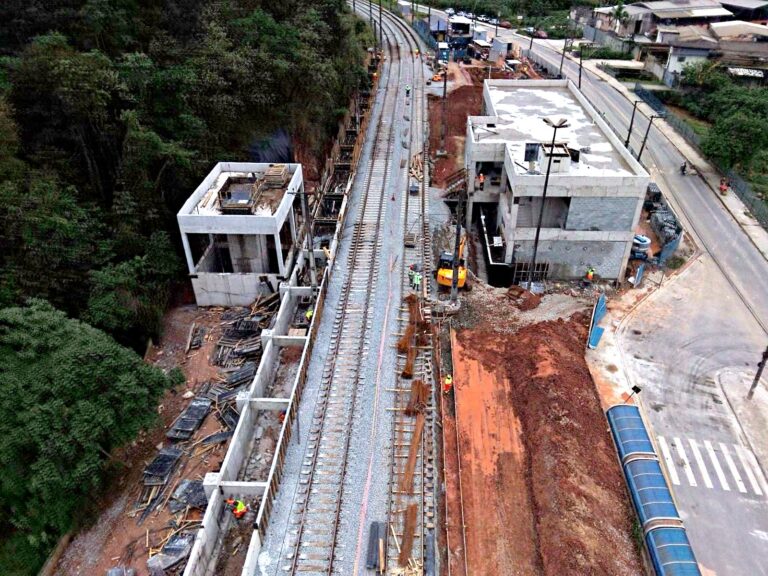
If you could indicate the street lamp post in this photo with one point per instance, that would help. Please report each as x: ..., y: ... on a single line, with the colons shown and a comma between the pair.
x: 645, y: 138
x: 530, y: 46
x: 631, y: 122
x: 581, y: 61
x: 556, y: 124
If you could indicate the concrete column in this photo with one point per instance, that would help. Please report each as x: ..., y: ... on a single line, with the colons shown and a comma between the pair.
x: 292, y: 223
x: 279, y: 249
x: 249, y: 253
x: 188, y: 253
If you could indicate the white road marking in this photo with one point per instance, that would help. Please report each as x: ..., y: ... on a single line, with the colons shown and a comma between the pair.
x: 734, y: 471
x: 668, y: 459
x: 700, y: 463
x: 744, y: 459
x: 686, y: 463
x: 716, y: 464
x: 757, y: 470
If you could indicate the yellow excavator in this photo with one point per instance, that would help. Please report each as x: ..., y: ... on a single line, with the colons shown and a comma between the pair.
x: 445, y: 267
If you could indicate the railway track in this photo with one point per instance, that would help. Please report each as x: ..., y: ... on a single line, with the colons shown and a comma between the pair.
x: 310, y: 543
x: 406, y: 430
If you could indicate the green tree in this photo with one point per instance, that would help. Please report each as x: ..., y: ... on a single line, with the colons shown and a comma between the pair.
x: 69, y: 394
x: 735, y: 139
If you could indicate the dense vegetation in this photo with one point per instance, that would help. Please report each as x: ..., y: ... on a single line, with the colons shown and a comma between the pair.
x: 737, y: 136
x: 111, y: 111
x: 70, y: 393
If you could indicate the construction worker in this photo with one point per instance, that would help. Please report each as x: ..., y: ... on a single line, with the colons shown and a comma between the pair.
x: 407, y: 90
x: 411, y: 274
x: 238, y: 507
x: 417, y: 281
x: 590, y: 274
x: 481, y: 178
x: 447, y: 384
x: 308, y: 314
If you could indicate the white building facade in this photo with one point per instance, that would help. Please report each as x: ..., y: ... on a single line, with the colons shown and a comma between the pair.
x: 239, y: 229
x: 595, y: 192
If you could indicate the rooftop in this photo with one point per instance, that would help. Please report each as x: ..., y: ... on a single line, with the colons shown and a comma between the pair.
x: 241, y: 188
x: 517, y: 110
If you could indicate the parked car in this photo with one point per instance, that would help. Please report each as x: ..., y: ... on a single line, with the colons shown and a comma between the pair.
x: 461, y: 13
x: 450, y: 11
x: 493, y: 21
x: 505, y: 24
x: 469, y: 15
x: 483, y: 18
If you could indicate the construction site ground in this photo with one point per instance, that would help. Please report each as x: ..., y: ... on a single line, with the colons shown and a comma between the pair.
x: 464, y: 99
x: 541, y: 488
x: 114, y: 538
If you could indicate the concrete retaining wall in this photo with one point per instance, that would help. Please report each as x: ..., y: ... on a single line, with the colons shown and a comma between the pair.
x: 223, y: 484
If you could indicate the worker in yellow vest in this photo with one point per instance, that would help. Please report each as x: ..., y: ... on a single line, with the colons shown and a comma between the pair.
x: 238, y: 507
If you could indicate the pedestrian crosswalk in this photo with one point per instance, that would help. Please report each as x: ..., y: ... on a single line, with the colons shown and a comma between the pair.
x: 712, y: 465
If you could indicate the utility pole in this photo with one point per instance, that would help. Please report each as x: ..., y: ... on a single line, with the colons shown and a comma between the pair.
x: 530, y: 46
x: 381, y: 37
x: 373, y: 23
x: 442, y: 151
x: 456, y: 245
x: 631, y: 122
x: 755, y: 382
x: 562, y: 123
x: 581, y: 61
x: 645, y: 138
x: 562, y: 58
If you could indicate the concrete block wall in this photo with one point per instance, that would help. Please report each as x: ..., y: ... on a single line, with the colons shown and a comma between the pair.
x: 213, y: 289
x: 586, y: 213
x: 569, y: 259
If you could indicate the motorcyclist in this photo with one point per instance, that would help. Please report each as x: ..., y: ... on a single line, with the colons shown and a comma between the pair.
x: 407, y: 89
x: 683, y: 168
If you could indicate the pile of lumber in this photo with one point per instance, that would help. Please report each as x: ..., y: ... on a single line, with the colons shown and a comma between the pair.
x: 416, y: 169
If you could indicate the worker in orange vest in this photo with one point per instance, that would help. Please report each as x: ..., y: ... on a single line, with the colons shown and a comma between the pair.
x: 238, y: 507
x: 482, y: 180
x: 447, y: 384
x: 590, y: 274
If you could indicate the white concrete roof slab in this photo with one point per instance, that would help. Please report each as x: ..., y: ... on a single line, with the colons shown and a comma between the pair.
x: 520, y: 108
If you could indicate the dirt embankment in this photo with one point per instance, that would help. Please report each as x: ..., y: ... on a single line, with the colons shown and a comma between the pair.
x: 465, y: 100
x: 538, y: 467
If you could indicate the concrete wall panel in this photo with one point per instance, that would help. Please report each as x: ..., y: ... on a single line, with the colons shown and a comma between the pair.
x: 601, y: 213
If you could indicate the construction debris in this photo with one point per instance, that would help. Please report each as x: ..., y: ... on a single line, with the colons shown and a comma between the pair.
x: 377, y: 546
x: 189, y: 420
x: 174, y: 551
x: 189, y: 493
x: 159, y: 470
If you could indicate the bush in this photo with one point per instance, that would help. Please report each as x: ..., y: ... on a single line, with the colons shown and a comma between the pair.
x: 69, y: 394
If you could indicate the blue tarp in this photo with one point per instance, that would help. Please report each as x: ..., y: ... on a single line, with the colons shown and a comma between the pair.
x: 671, y: 552
x: 649, y: 491
x: 629, y: 432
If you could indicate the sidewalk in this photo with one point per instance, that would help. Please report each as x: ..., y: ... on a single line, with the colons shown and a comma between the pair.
x: 757, y: 234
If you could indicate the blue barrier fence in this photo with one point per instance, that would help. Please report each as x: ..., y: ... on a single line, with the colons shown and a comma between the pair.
x: 595, y: 331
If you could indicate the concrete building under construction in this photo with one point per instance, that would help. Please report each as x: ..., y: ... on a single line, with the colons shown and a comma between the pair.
x: 239, y: 231
x: 595, y: 193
